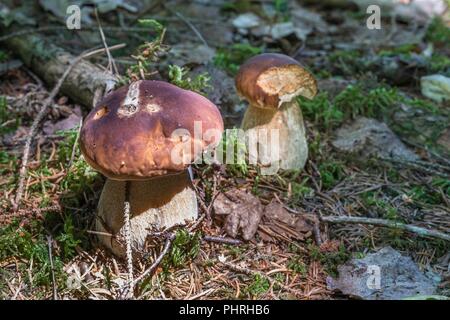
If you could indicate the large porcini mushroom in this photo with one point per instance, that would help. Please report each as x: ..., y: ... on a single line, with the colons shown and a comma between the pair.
x: 143, y: 137
x: 271, y: 82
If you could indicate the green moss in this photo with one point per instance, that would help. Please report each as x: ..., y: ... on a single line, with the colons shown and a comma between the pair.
x: 331, y: 172
x: 300, y: 190
x: 346, y: 56
x: 422, y: 194
x: 230, y: 58
x: 354, y: 101
x: 151, y: 24
x: 438, y: 33
x: 329, y: 260
x: 258, y: 286
x: 80, y: 177
x: 4, y: 56
x: 443, y: 184
x: 239, y: 6
x: 439, y: 62
x: 233, y: 142
x: 236, y: 251
x: 321, y: 111
x: 179, y: 77
x: 404, y: 49
x: 6, y: 115
x: 30, y: 244
x: 185, y: 247
x: 282, y: 10
x: 297, y: 266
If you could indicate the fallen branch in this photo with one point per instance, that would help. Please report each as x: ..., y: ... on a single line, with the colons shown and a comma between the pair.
x: 231, y: 241
x: 426, y: 167
x: 422, y: 232
x: 25, y: 32
x: 49, y: 63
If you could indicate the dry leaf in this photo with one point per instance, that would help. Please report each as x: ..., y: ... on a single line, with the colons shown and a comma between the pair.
x: 243, y: 210
x: 279, y: 224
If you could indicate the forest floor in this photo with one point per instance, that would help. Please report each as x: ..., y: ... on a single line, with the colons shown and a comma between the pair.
x: 48, y: 249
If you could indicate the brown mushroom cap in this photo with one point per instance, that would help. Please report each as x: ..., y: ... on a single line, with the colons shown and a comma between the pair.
x: 128, y: 135
x: 267, y: 80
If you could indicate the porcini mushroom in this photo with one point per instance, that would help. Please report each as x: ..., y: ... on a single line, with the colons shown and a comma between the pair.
x: 143, y: 137
x: 271, y: 82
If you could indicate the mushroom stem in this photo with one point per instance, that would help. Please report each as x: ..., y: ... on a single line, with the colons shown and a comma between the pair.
x: 155, y: 204
x: 288, y: 119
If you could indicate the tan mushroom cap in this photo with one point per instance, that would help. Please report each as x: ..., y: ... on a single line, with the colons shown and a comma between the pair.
x: 267, y: 80
x: 128, y: 135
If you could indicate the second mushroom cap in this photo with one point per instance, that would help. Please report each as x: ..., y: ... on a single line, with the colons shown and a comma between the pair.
x: 267, y: 80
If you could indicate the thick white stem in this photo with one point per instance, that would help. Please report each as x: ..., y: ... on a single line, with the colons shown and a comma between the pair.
x: 288, y: 119
x: 155, y: 204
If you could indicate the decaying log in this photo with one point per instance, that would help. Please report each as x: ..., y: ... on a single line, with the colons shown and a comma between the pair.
x: 49, y: 62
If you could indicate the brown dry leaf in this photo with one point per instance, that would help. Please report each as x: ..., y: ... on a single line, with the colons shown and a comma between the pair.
x: 279, y: 224
x: 243, y: 210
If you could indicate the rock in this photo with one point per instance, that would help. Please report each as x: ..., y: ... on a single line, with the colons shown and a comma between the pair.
x: 436, y: 87
x: 187, y: 53
x: 217, y: 34
x: 369, y: 137
x: 384, y: 275
x: 306, y: 21
x: 246, y: 21
x: 302, y: 23
x: 276, y: 31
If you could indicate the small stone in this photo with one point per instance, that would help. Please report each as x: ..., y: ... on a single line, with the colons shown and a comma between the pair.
x: 246, y: 21
x: 383, y: 275
x: 436, y: 87
x: 370, y: 138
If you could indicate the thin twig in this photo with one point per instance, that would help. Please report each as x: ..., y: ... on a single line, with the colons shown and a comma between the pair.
x: 75, y: 144
x: 33, y: 129
x: 50, y: 256
x: 108, y: 53
x: 45, y: 106
x: 127, y: 233
x: 417, y: 166
x: 222, y: 240
x: 169, y: 239
x: 158, y: 260
x: 422, y: 232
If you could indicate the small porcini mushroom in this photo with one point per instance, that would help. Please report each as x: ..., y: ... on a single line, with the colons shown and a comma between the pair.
x: 271, y: 82
x: 129, y: 137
